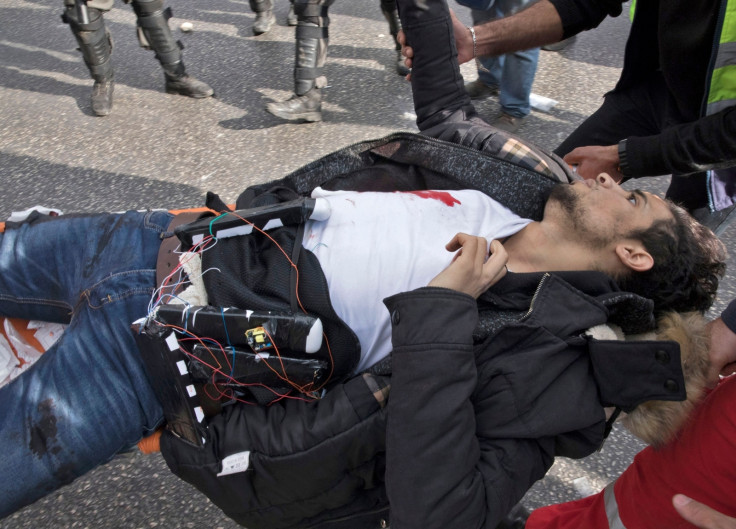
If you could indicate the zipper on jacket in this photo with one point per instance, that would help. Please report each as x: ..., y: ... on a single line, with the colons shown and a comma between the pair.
x: 534, y: 297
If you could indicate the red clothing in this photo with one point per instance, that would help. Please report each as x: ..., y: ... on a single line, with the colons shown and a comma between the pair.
x: 700, y: 463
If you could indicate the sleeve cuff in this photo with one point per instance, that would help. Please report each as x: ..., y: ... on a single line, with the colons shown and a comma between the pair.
x: 581, y: 15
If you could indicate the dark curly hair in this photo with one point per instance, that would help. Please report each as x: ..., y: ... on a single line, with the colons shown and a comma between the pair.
x: 689, y: 260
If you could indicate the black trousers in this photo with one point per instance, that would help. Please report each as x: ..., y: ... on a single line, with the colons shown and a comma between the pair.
x: 637, y: 111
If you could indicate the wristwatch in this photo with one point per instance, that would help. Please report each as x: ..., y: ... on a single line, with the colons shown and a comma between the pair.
x: 623, y: 159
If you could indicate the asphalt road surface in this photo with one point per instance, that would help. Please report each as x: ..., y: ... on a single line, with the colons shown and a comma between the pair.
x: 163, y: 151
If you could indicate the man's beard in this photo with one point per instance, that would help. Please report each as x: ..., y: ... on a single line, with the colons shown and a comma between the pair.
x: 579, y: 220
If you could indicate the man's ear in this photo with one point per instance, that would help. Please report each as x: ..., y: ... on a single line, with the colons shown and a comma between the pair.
x: 634, y: 256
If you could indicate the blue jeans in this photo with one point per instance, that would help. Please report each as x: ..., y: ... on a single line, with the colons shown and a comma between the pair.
x: 87, y: 397
x: 512, y: 73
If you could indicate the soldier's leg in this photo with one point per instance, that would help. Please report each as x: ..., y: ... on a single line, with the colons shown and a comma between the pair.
x: 311, y: 54
x: 154, y: 34
x: 264, y: 16
x: 96, y: 47
x: 389, y: 10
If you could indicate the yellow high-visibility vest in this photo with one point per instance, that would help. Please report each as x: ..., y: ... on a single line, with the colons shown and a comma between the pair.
x: 721, y: 87
x: 721, y: 92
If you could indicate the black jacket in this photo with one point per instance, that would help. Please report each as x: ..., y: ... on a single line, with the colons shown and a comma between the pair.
x: 676, y: 38
x: 483, y: 395
x: 472, y: 426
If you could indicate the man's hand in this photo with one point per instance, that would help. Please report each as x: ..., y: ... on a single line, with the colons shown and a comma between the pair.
x: 473, y: 270
x: 463, y: 41
x: 591, y: 161
x: 701, y: 515
x: 722, y: 351
x: 406, y: 50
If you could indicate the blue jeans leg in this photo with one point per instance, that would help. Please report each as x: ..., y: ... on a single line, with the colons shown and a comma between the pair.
x: 87, y: 397
x: 513, y: 73
x: 490, y: 70
x: 515, y: 89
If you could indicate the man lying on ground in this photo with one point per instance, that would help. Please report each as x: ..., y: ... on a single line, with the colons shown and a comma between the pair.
x: 487, y: 386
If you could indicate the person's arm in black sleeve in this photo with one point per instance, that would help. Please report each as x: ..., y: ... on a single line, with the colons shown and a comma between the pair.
x: 708, y: 143
x: 431, y: 448
x: 439, y: 474
x: 582, y: 15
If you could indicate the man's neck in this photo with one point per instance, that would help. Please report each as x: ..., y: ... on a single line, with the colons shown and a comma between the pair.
x: 537, y: 248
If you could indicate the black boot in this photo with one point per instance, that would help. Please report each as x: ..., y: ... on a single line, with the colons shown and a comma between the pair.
x: 307, y: 107
x: 311, y: 53
x: 96, y: 47
x: 154, y: 34
x: 389, y: 10
x: 178, y: 82
x: 264, y: 16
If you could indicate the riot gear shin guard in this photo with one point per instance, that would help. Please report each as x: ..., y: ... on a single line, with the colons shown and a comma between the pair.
x: 310, y: 58
x: 311, y: 53
x: 94, y: 42
x: 154, y: 34
x: 96, y: 47
x: 312, y: 39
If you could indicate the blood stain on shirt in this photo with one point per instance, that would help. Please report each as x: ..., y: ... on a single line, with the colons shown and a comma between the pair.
x: 443, y: 196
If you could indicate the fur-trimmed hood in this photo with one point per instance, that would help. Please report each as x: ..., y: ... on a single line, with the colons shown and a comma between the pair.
x: 656, y: 422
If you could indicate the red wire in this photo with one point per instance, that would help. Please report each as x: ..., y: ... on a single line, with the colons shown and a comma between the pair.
x: 298, y: 300
x: 200, y: 247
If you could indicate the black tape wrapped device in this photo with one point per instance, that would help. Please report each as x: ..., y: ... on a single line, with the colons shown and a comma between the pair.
x: 237, y: 350
x: 300, y: 333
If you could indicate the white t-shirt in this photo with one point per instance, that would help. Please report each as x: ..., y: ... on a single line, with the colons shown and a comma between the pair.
x: 376, y: 244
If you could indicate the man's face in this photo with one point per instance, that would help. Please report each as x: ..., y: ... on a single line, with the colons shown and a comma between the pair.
x: 599, y: 212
